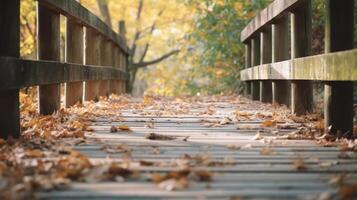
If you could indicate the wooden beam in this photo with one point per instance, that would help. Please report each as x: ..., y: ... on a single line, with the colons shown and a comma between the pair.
x: 280, y: 52
x: 76, y: 11
x: 74, y: 54
x: 48, y: 42
x: 26, y: 73
x: 301, y: 26
x: 274, y: 11
x: 339, y: 32
x: 9, y: 46
x: 326, y: 67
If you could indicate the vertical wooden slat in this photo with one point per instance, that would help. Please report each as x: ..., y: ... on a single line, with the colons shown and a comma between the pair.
x: 104, y: 61
x: 339, y: 95
x: 248, y: 64
x: 301, y: 25
x: 265, y: 57
x: 74, y: 54
x: 280, y: 52
x: 255, y: 55
x: 92, y: 57
x: 10, y: 46
x: 48, y: 41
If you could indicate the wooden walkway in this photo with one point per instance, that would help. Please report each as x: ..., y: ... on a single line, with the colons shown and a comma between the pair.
x: 246, y: 158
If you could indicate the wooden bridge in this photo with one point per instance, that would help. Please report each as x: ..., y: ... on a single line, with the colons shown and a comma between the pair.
x: 223, y: 147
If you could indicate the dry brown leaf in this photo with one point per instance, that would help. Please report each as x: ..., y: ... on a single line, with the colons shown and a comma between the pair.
x: 113, y: 129
x: 348, y: 192
x: 337, y: 180
x: 233, y: 147
x: 174, y: 184
x: 203, y: 175
x: 154, y: 136
x: 124, y: 128
x: 265, y: 151
x: 268, y: 123
x: 2, y: 142
x: 299, y: 164
x: 258, y: 136
x: 36, y: 153
x: 225, y: 121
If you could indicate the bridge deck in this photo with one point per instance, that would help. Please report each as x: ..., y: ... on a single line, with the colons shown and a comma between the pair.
x: 249, y: 157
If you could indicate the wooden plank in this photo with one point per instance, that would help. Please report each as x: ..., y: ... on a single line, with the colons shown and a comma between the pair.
x: 76, y: 11
x: 274, y: 11
x: 24, y: 73
x: 9, y: 46
x: 48, y: 44
x: 74, y: 54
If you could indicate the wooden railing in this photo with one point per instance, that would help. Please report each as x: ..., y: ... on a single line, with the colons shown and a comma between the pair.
x: 280, y: 68
x: 95, y: 60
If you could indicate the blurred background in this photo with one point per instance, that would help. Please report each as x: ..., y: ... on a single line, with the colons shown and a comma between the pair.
x: 179, y: 47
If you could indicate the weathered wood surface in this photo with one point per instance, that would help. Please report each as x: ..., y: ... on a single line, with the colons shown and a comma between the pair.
x: 275, y: 10
x: 76, y: 11
x: 9, y: 46
x: 24, y: 73
x: 327, y: 67
x: 247, y: 174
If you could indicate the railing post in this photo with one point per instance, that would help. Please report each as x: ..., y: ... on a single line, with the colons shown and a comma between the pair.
x: 280, y: 52
x: 339, y: 94
x: 92, y: 57
x: 301, y: 25
x: 74, y: 54
x: 265, y: 57
x: 255, y: 55
x: 10, y: 46
x: 48, y: 41
x: 248, y: 64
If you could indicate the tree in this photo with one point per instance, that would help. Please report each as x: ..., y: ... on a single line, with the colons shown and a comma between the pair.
x: 139, y: 52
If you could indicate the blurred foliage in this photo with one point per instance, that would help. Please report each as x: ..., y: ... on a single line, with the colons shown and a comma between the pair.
x: 28, y: 28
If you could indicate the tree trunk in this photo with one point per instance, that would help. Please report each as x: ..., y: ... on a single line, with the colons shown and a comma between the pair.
x: 104, y: 10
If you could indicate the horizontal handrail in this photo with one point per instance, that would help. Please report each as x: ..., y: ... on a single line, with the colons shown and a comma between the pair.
x: 75, y: 10
x: 275, y: 10
x: 340, y: 66
x: 25, y: 73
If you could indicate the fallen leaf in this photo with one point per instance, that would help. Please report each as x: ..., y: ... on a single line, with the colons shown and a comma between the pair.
x: 299, y: 164
x: 174, y: 184
x: 203, y: 175
x: 348, y: 192
x: 268, y: 123
x: 124, y: 128
x: 337, y: 179
x: 225, y: 121
x: 233, y: 147
x: 265, y: 151
x: 113, y: 129
x: 258, y: 136
x: 154, y: 136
